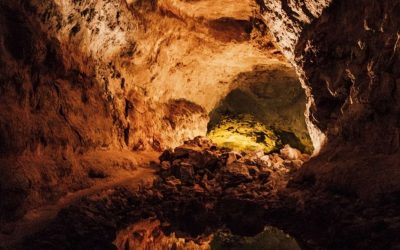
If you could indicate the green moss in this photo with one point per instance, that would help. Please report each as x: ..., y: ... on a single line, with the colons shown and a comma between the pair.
x: 242, y: 133
x: 276, y: 99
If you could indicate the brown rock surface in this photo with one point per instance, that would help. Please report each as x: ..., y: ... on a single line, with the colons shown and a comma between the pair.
x: 112, y: 75
x: 347, y: 56
x: 83, y: 81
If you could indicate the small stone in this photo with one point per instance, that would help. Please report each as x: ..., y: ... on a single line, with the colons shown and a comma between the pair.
x: 198, y: 189
x: 231, y: 158
x: 259, y: 154
x: 276, y: 159
x: 238, y: 169
x: 165, y: 165
x: 172, y: 181
x: 290, y: 153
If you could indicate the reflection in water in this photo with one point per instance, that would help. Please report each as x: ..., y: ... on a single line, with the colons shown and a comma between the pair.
x: 147, y: 235
x: 270, y: 239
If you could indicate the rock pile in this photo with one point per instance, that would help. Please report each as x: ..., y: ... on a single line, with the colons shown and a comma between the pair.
x: 199, y: 167
x: 201, y: 189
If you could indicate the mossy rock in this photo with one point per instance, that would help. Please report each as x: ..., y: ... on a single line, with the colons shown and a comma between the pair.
x: 244, y: 133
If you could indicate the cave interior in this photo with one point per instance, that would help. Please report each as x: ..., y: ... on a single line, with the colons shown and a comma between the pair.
x: 182, y: 124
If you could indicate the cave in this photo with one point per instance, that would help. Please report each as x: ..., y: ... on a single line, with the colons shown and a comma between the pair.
x: 265, y: 111
x: 181, y: 124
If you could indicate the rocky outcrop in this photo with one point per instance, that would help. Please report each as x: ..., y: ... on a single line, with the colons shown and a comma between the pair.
x: 347, y: 56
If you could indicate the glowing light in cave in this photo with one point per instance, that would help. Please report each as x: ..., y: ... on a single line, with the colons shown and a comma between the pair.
x: 244, y: 133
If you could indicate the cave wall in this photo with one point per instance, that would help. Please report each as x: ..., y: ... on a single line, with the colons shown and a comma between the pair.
x: 149, y: 53
x: 346, y: 53
x: 82, y: 81
x: 46, y: 104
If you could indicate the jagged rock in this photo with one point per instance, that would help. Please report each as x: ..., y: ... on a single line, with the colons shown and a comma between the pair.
x: 184, y: 172
x: 238, y: 169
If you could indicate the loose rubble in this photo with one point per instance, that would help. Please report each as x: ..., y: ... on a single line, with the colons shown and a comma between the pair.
x: 199, y: 167
x: 201, y: 189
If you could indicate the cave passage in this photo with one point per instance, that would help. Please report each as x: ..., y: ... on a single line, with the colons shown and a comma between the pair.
x: 264, y: 112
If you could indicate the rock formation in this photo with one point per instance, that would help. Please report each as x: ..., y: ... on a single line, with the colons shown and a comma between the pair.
x: 85, y: 84
x: 100, y: 77
x: 348, y: 59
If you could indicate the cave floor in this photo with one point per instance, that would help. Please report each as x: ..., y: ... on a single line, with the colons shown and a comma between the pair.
x: 191, y: 193
x: 37, y: 219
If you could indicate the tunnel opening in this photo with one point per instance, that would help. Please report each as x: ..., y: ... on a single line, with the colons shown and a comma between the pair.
x: 265, y: 111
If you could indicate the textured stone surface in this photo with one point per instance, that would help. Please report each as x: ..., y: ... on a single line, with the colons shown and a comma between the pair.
x: 348, y: 59
x: 80, y: 76
x: 106, y: 76
x: 174, y: 213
